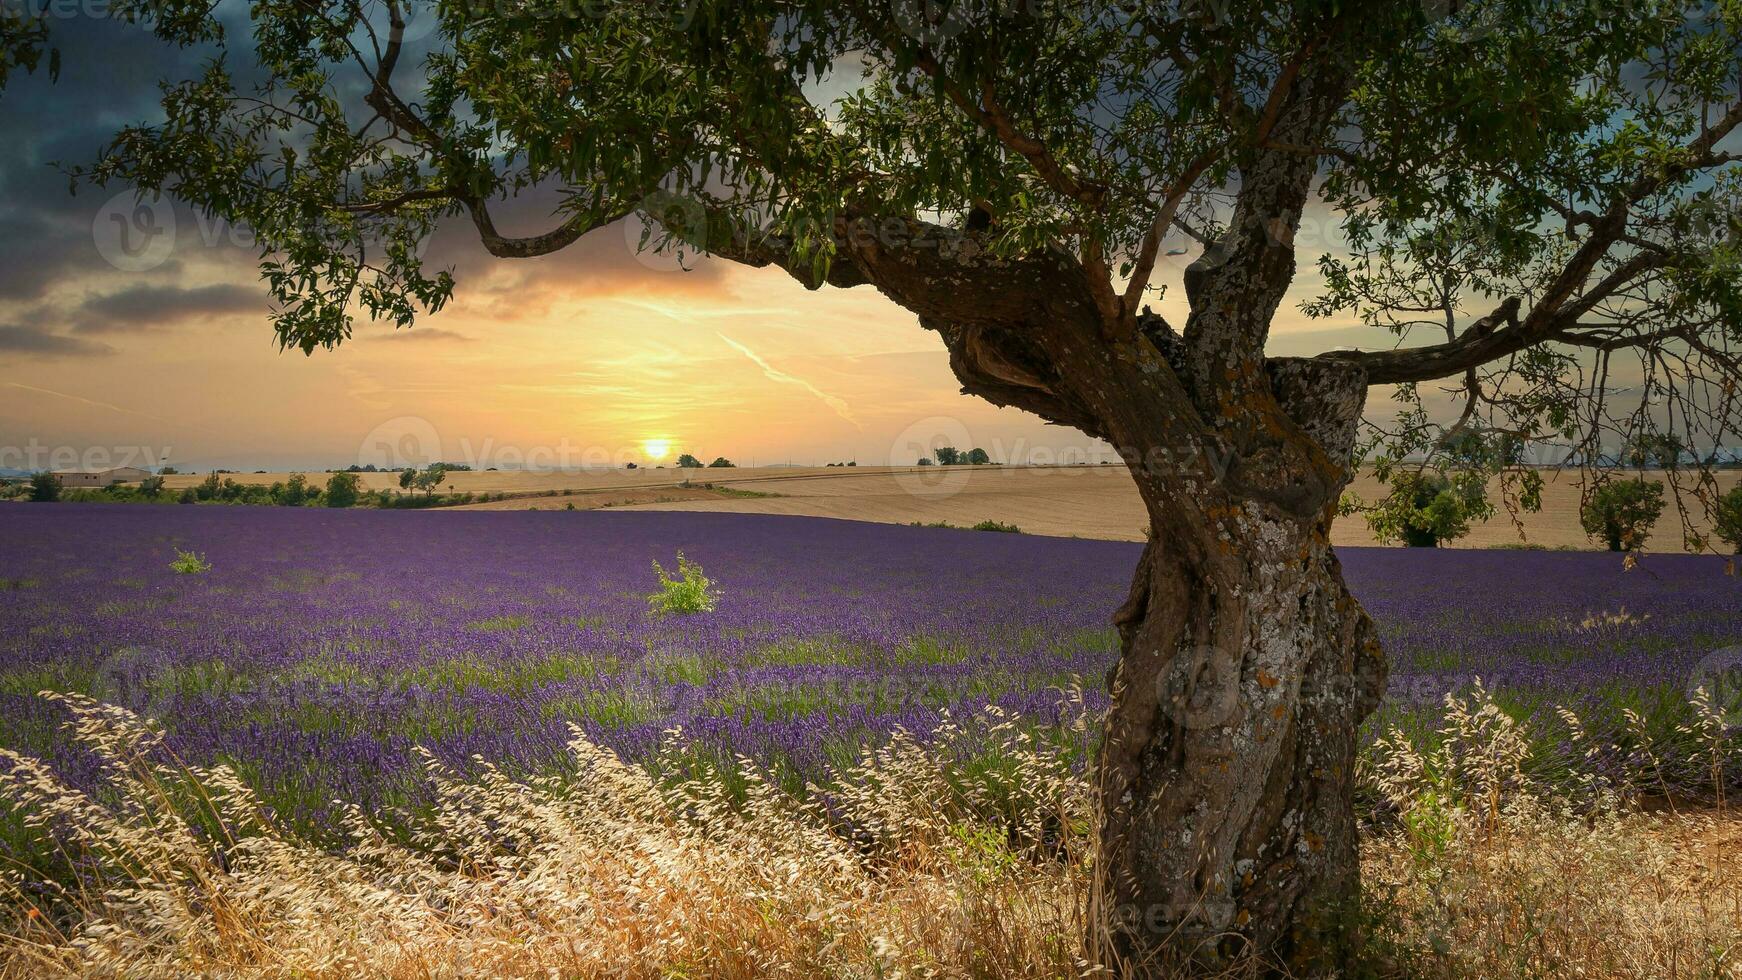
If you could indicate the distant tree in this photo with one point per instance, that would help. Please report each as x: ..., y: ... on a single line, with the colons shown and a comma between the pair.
x: 430, y: 478
x: 1728, y: 516
x: 210, y: 487
x: 343, y: 489
x: 407, y: 477
x: 722, y: 463
x: 1621, y: 513
x: 977, y: 457
x: 44, y: 487
x: 924, y: 461
x: 1424, y: 510
x: 151, y: 485
x: 167, y: 471
x: 688, y: 462
x: 947, y: 455
x: 295, y: 493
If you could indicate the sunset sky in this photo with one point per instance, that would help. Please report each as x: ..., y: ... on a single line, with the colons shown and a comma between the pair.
x: 584, y: 356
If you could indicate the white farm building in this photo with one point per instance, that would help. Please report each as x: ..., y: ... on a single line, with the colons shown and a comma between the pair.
x: 101, y: 478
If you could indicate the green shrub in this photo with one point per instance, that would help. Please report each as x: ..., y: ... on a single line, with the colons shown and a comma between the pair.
x: 1729, y: 518
x: 690, y: 592
x: 343, y: 489
x: 1621, y: 513
x: 190, y: 563
x: 1423, y: 510
x: 997, y: 526
x: 44, y: 487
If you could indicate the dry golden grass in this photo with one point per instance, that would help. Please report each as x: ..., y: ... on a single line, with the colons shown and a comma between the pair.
x: 946, y: 871
x: 600, y: 499
x: 1101, y: 502
x: 1062, y: 501
x: 1547, y: 893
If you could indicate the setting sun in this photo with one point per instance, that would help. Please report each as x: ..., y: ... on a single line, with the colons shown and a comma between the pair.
x: 656, y: 449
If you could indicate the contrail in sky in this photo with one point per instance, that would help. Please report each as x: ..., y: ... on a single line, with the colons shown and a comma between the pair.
x: 87, y: 401
x: 839, y: 406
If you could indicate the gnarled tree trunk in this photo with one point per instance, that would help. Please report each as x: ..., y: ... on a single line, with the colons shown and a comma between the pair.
x: 1226, y: 820
x: 1225, y: 777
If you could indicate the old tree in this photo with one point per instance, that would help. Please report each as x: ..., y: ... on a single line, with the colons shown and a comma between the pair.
x: 1533, y: 205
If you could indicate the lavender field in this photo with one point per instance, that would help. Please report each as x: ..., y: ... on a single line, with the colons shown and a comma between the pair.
x: 324, y: 646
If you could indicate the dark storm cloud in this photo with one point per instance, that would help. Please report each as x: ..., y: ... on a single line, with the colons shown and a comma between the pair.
x: 144, y: 307
x: 36, y: 251
x: 37, y: 341
x: 108, y: 79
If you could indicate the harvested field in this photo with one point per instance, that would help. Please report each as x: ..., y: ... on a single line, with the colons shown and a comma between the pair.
x: 1100, y: 502
x: 1061, y: 501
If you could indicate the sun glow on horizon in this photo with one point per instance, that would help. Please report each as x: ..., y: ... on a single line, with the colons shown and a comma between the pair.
x: 656, y: 449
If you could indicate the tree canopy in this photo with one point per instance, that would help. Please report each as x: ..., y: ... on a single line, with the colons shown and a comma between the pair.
x: 1534, y: 200
x: 1531, y: 205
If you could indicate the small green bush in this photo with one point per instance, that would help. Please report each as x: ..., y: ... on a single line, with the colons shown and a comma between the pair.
x: 997, y: 526
x: 343, y: 489
x: 190, y: 563
x: 1425, y: 509
x: 1621, y: 513
x: 689, y: 592
x: 44, y: 487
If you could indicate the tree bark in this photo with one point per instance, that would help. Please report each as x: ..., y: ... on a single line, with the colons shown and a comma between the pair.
x: 1227, y: 766
x: 1226, y: 773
